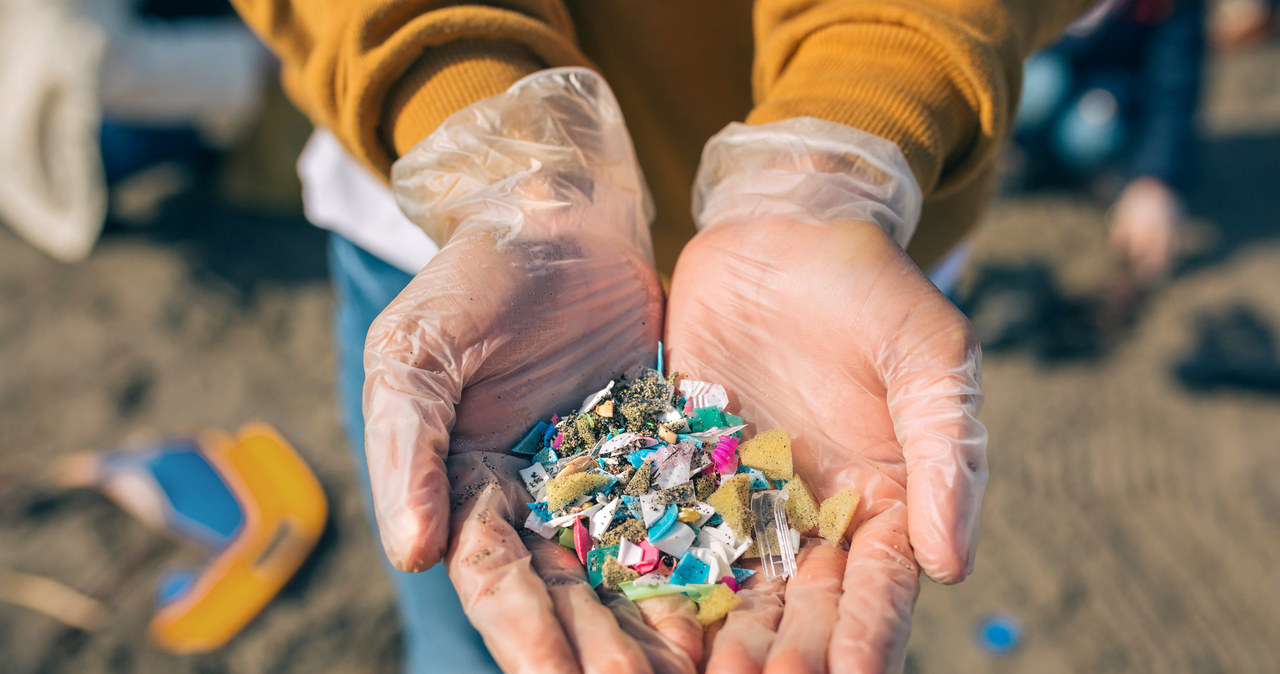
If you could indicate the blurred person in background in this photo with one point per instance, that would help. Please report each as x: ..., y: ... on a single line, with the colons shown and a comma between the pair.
x: 1236, y: 24
x: 100, y: 91
x: 1112, y: 108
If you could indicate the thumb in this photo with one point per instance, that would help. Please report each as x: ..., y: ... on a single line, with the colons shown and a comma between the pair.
x: 410, y: 393
x: 933, y: 393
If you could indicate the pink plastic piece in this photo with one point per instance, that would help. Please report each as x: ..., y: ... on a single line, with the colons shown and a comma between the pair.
x: 555, y: 444
x: 581, y: 540
x: 731, y: 583
x: 688, y: 407
x: 648, y: 558
x: 725, y: 454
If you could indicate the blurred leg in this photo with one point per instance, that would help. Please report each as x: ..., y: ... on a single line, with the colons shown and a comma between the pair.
x: 437, y: 635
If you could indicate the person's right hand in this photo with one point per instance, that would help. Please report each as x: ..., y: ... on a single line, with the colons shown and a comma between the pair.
x: 544, y: 291
x: 1145, y: 230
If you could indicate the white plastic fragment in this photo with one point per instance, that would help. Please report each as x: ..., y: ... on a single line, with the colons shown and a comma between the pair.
x: 567, y: 520
x: 674, y: 468
x: 618, y: 443
x: 629, y: 554
x: 603, y: 518
x: 538, y: 525
x: 676, y: 540
x: 711, y: 435
x: 651, y: 509
x: 535, y: 480
x: 705, y: 511
x: 589, y: 403
x: 704, y: 394
x: 715, y: 559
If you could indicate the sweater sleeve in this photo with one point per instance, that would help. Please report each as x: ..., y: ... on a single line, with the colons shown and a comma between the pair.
x: 938, y: 77
x: 382, y: 74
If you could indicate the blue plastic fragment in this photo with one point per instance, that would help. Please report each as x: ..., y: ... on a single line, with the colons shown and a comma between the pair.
x: 663, y: 525
x: 758, y: 480
x: 549, y: 433
x: 633, y: 506
x: 540, y: 508
x: 740, y: 574
x: 999, y: 634
x: 637, y: 457
x: 690, y: 570
x: 546, y: 456
x: 660, y: 371
x: 532, y: 441
x: 595, y: 563
x: 714, y: 521
x: 689, y: 439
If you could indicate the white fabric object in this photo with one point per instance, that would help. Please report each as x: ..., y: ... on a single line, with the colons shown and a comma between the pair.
x: 339, y: 194
x: 52, y: 188
x: 808, y: 170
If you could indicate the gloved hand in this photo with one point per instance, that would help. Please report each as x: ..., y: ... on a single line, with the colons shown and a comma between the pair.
x: 543, y: 290
x: 1145, y: 230
x: 797, y: 299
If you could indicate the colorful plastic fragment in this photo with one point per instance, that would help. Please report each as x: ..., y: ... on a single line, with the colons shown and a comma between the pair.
x: 581, y: 540
x: 690, y: 570
x: 532, y: 442
x: 595, y: 563
x: 663, y: 524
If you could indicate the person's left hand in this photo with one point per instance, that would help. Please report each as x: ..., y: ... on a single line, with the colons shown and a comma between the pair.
x: 831, y: 332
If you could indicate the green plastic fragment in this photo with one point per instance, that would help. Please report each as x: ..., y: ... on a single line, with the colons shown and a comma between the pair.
x: 704, y: 418
x: 566, y: 537
x: 637, y: 592
x: 595, y: 562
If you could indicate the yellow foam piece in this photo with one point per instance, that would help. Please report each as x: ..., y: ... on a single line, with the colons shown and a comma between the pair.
x: 835, y: 514
x: 802, y: 508
x: 733, y: 501
x: 769, y: 453
x: 564, y: 490
x: 716, y: 604
x: 615, y: 574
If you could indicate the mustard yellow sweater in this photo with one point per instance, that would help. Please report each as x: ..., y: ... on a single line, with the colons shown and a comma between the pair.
x: 938, y: 77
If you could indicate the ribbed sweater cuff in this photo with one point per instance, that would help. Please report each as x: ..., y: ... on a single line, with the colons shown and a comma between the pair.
x: 888, y: 80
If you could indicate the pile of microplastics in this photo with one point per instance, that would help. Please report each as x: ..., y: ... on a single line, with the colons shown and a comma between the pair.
x: 650, y: 483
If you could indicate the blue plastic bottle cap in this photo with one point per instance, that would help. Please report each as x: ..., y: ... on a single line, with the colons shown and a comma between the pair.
x: 999, y: 634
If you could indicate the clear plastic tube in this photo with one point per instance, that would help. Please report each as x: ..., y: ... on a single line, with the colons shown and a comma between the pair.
x: 773, y: 533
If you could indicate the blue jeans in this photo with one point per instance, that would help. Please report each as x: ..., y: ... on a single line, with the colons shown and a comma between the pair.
x: 1068, y: 124
x: 437, y: 635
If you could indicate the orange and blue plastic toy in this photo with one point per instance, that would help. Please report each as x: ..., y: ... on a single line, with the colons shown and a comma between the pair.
x: 249, y: 500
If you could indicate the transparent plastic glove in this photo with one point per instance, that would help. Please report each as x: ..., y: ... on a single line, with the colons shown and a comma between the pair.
x: 543, y: 290
x: 824, y: 326
x: 1145, y: 230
